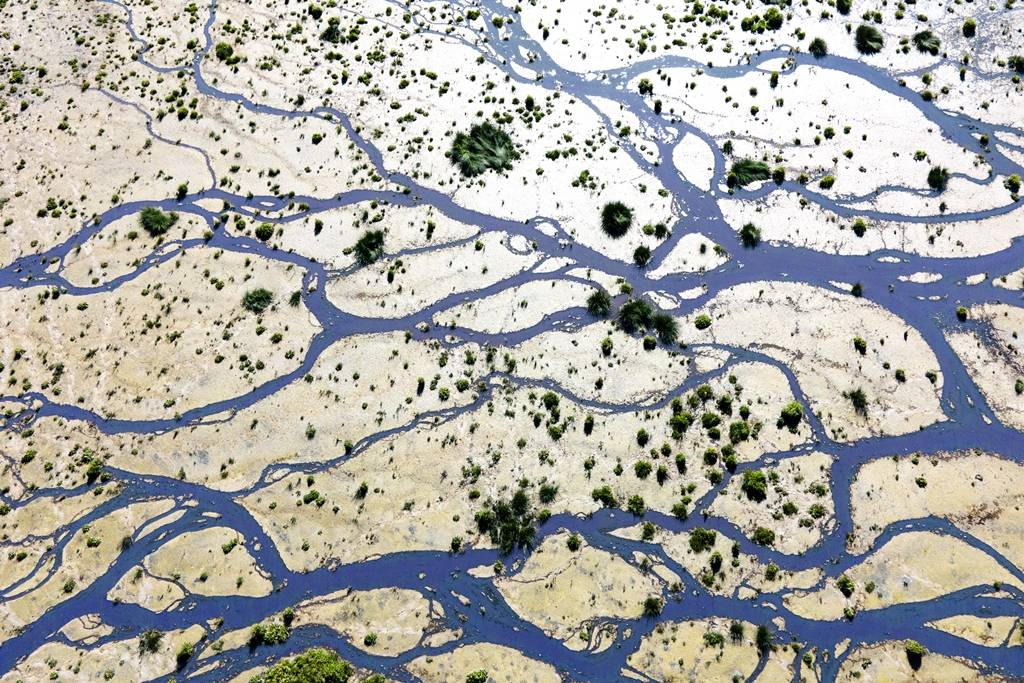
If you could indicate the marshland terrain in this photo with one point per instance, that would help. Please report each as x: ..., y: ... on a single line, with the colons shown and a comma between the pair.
x: 589, y: 340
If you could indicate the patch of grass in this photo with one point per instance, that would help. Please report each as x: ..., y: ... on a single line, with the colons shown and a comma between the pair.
x: 746, y: 171
x: 868, y: 40
x: 257, y: 300
x: 485, y: 147
x: 926, y: 41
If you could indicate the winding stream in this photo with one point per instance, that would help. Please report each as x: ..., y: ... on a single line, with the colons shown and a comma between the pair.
x: 926, y: 307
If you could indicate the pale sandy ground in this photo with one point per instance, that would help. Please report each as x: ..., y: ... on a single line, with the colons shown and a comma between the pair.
x: 83, y: 168
x: 417, y: 146
x: 990, y: 631
x: 426, y: 278
x: 567, y: 593
x: 677, y: 651
x: 811, y: 330
x: 695, y: 161
x: 977, y: 492
x: 197, y: 562
x: 742, y: 576
x: 167, y: 27
x: 912, y: 567
x: 403, y: 473
x: 120, y: 248
x: 883, y: 140
x: 404, y: 228
x: 886, y: 662
x: 794, y: 533
x: 121, y: 658
x: 399, y: 618
x: 113, y: 353
x: 138, y: 587
x: 590, y: 35
x: 504, y: 665
x: 782, y: 218
x: 693, y: 253
x: 994, y: 361
x: 628, y: 374
x: 80, y: 564
x: 516, y: 308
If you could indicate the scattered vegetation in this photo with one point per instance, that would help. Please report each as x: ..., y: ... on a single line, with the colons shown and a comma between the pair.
x: 316, y: 665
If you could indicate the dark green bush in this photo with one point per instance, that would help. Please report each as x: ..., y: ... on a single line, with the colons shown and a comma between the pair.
x: 746, y: 171
x: 599, y: 304
x: 634, y: 315
x: 485, y: 147
x: 616, y: 218
x: 369, y: 247
x: 156, y: 222
x: 868, y: 39
x: 257, y: 300
x: 938, y: 178
x: 750, y: 235
x: 818, y: 48
x: 926, y: 41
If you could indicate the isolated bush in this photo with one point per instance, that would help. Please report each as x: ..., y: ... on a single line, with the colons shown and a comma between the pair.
x: 926, y: 41
x: 369, y: 247
x: 750, y: 235
x: 641, y: 256
x: 156, y: 222
x: 257, y: 300
x: 755, y: 485
x: 634, y: 315
x: 938, y: 178
x: 746, y: 171
x: 818, y: 48
x: 599, y: 304
x: 616, y: 218
x: 868, y: 39
x: 485, y: 147
x: 970, y: 27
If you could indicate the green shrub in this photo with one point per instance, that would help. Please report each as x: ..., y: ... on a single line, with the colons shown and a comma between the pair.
x: 938, y: 178
x: 1016, y: 63
x: 257, y: 300
x: 369, y: 247
x: 859, y: 401
x: 868, y: 39
x: 634, y: 315
x: 1012, y: 183
x: 264, y: 232
x: 478, y: 676
x: 599, y: 304
x: 641, y: 256
x: 616, y: 218
x: 915, y: 651
x: 843, y: 6
x: 755, y: 485
x: 750, y: 235
x: 970, y: 27
x: 485, y: 147
x: 791, y: 415
x: 818, y: 48
x: 149, y: 641
x: 702, y: 321
x: 746, y: 171
x: 223, y: 51
x: 926, y: 41
x: 156, y: 222
x: 653, y: 606
x: 666, y: 327
x: 316, y: 665
x: 763, y: 536
x: 702, y: 539
x: 184, y: 654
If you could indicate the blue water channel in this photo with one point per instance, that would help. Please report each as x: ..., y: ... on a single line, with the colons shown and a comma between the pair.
x: 929, y: 308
